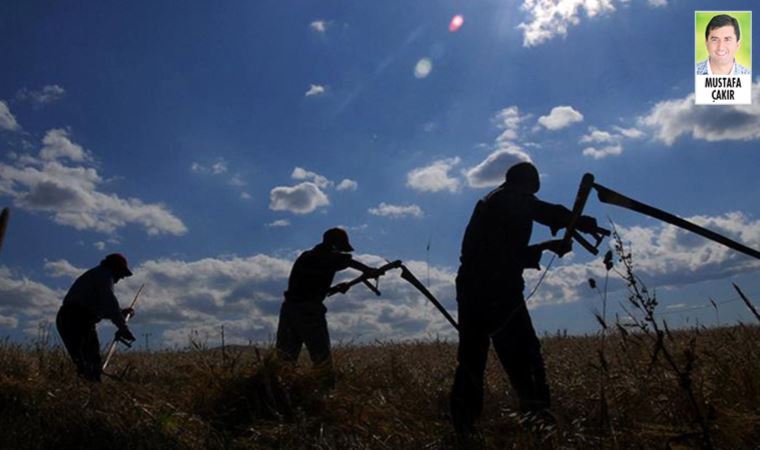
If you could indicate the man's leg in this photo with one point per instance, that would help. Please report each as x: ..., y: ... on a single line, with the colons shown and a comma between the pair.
x: 519, y: 352
x: 467, y: 391
x: 73, y: 332
x: 289, y: 341
x: 317, y: 340
x: 91, y: 355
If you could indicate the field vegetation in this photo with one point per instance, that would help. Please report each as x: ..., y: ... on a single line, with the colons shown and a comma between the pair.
x: 638, y: 385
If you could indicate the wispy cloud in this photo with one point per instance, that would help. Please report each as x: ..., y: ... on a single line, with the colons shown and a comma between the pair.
x: 315, y: 90
x: 396, y: 211
x: 47, y: 94
x: 70, y: 194
x: 560, y: 117
x: 280, y: 223
x: 319, y: 26
x: 670, y: 119
x: 7, y: 120
x: 218, y: 167
x: 435, y: 177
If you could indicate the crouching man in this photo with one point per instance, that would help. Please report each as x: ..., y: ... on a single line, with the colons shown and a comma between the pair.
x: 89, y: 300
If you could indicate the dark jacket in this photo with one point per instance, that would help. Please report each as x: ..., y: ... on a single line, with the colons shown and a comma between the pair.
x: 92, y: 293
x: 495, y: 246
x: 313, y: 273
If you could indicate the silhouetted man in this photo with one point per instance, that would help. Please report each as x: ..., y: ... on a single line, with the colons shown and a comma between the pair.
x: 302, y: 315
x: 89, y: 300
x: 490, y: 299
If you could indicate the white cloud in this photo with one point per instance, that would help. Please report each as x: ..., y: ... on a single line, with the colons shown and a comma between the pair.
x: 560, y: 117
x: 599, y: 153
x: 347, y: 185
x: 302, y: 198
x: 8, y: 322
x: 48, y: 94
x: 598, y: 137
x: 396, y: 211
x: 435, y: 177
x: 219, y: 167
x: 492, y: 170
x: 303, y: 174
x: 237, y: 181
x: 668, y: 120
x: 58, y: 145
x: 7, y: 121
x: 62, y: 268
x: 320, y: 26
x: 100, y: 245
x: 315, y: 90
x: 24, y: 297
x: 509, y: 119
x: 663, y: 256
x: 611, y: 142
x: 245, y: 196
x: 550, y: 18
x: 279, y: 223
x: 70, y: 195
x: 630, y: 133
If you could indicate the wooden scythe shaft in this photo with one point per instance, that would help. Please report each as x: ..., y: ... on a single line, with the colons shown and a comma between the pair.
x: 112, y: 347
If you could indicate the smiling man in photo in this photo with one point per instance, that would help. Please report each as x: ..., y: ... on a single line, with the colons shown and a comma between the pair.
x: 722, y: 39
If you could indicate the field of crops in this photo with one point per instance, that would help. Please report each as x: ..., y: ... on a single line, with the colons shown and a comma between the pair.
x: 700, y: 390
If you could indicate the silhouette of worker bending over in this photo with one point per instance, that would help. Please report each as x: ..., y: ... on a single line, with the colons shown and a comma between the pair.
x: 490, y: 298
x: 89, y: 300
x: 302, y: 315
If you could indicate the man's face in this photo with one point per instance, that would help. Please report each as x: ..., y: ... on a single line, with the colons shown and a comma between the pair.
x: 722, y: 45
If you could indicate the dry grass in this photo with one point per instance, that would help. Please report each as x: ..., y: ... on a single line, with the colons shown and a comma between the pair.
x: 629, y: 387
x: 390, y: 395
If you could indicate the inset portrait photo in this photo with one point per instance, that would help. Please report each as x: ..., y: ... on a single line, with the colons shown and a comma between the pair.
x: 723, y: 57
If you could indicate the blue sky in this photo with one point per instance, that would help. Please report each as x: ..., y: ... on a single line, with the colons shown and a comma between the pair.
x: 212, y: 144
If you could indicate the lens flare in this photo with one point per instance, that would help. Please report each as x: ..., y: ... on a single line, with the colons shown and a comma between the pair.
x: 423, y: 68
x: 456, y: 23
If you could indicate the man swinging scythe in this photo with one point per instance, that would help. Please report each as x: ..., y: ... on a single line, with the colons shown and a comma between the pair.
x: 302, y: 315
x: 495, y: 251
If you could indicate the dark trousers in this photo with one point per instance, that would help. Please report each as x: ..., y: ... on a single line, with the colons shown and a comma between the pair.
x: 519, y: 351
x: 77, y: 330
x: 303, y: 323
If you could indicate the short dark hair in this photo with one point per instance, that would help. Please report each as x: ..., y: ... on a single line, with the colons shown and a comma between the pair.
x: 722, y: 20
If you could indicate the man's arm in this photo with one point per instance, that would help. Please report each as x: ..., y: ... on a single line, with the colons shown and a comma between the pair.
x: 532, y: 256
x: 371, y: 272
x: 557, y: 217
x: 108, y: 304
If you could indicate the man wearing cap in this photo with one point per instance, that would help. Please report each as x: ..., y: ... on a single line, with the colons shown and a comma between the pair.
x: 489, y: 283
x: 89, y: 300
x: 302, y: 315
